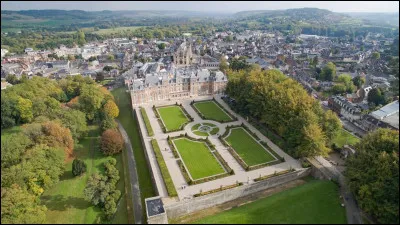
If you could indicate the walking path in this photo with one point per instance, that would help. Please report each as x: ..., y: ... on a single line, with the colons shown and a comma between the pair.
x: 133, y: 177
x: 240, y: 174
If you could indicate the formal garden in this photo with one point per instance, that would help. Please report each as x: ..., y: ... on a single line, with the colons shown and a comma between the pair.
x: 205, y: 129
x: 172, y: 118
x: 211, y: 110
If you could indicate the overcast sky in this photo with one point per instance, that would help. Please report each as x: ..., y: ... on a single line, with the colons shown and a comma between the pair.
x: 335, y: 6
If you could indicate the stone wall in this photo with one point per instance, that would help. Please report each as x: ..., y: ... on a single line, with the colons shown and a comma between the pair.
x: 158, y: 219
x: 184, y: 207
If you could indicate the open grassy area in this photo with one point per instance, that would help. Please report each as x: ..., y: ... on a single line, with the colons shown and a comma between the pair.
x: 247, y: 148
x: 198, y: 158
x: 311, y: 203
x: 212, y: 111
x: 344, y: 138
x: 132, y: 128
x: 65, y: 200
x: 173, y: 117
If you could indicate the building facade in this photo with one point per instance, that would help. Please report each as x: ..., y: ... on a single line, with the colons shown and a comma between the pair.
x: 183, y: 55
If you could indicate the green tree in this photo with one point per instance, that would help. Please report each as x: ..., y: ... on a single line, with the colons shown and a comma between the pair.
x: 339, y: 89
x: 373, y: 175
x: 376, y: 97
x: 90, y: 100
x: 78, y: 167
x: 108, y: 123
x: 75, y: 121
x: 376, y: 55
x: 359, y: 81
x: 12, y: 79
x: 223, y: 64
x: 12, y: 149
x: 19, y: 206
x: 81, y: 38
x: 328, y: 72
x: 161, y: 46
x: 111, y: 57
x: 24, y: 107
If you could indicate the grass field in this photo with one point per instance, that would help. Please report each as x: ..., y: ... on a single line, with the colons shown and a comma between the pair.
x: 316, y: 202
x: 345, y: 137
x: 212, y: 111
x: 132, y: 129
x: 196, y: 155
x: 247, y: 148
x: 172, y: 116
x: 65, y: 200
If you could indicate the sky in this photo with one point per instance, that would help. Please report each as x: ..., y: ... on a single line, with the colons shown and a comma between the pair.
x: 221, y: 6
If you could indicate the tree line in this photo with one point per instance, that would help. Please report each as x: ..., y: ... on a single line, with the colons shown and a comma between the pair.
x: 44, y: 119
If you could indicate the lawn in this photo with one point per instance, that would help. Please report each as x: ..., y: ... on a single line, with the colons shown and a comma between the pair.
x: 196, y: 155
x: 173, y: 117
x: 212, y: 111
x: 316, y: 202
x: 65, y: 200
x: 132, y: 129
x: 247, y: 148
x: 344, y: 137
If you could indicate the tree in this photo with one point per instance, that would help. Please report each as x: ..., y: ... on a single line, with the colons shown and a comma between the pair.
x: 8, y: 111
x: 358, y: 81
x: 12, y: 79
x: 111, y: 57
x: 78, y: 167
x: 75, y: 121
x: 223, y: 64
x: 375, y: 96
x: 328, y: 72
x: 111, y: 142
x: 24, y: 107
x: 100, y: 76
x: 111, y: 109
x: 71, y: 57
x: 108, y: 123
x: 339, y: 89
x: 90, y: 100
x: 376, y: 55
x: 12, y: 148
x: 81, y: 38
x: 347, y: 81
x: 373, y: 175
x: 161, y: 46
x: 19, y: 206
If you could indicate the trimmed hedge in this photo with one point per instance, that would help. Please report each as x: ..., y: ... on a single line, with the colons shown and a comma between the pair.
x: 273, y: 175
x: 184, y: 172
x: 164, y: 170
x: 146, y: 122
x: 238, y: 159
x: 282, y: 159
x: 172, y: 147
x: 218, y: 189
x: 224, y: 163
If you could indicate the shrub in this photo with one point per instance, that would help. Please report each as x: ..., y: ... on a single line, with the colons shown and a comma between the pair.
x: 111, y: 142
x: 164, y: 170
x: 78, y: 167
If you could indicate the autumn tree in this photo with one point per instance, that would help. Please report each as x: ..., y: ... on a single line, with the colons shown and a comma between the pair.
x: 373, y: 175
x: 111, y: 109
x: 24, y: 107
x: 111, y: 142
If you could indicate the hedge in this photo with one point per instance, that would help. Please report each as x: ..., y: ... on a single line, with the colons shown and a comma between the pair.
x: 218, y: 189
x: 184, y: 172
x: 164, y: 170
x: 171, y: 145
x: 273, y: 175
x: 272, y: 151
x: 146, y: 122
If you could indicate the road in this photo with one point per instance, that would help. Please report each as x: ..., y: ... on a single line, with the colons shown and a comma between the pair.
x: 133, y: 177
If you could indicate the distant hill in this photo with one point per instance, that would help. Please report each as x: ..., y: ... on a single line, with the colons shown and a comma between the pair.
x: 388, y: 19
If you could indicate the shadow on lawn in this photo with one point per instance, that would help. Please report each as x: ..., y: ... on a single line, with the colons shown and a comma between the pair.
x: 61, y: 203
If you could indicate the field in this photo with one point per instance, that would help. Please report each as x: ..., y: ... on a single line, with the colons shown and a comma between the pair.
x: 173, y: 117
x: 247, y: 148
x: 316, y: 202
x: 212, y: 111
x: 132, y: 128
x: 65, y: 200
x: 344, y: 138
x: 196, y: 155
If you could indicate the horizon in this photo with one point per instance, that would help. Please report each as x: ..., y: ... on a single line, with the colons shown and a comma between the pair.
x: 210, y: 7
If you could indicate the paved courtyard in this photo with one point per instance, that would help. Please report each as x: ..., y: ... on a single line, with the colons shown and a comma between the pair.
x: 240, y: 174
